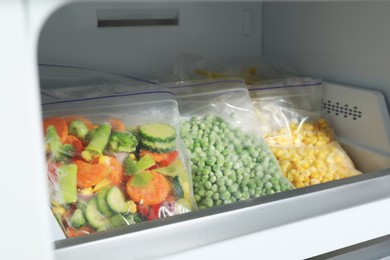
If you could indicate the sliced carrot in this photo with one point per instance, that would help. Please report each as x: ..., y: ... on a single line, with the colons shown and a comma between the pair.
x: 86, y: 121
x: 154, y: 193
x: 89, y: 174
x: 162, y: 159
x: 157, y: 157
x: 171, y: 158
x: 76, y: 143
x: 117, y: 124
x: 116, y: 172
x: 59, y: 124
x: 115, y: 169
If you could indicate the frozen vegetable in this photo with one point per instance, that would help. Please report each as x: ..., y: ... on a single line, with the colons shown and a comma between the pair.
x: 59, y: 151
x: 98, y: 142
x: 86, y: 121
x: 227, y: 164
x: 122, y: 142
x: 93, y: 190
x: 308, y: 153
x: 59, y: 125
x: 79, y: 129
x: 301, y: 139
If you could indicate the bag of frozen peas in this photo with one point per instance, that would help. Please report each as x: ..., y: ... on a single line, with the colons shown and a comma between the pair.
x: 116, y: 161
x: 229, y: 159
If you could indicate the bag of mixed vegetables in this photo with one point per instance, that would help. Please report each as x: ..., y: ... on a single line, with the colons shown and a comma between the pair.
x: 115, y: 161
x: 301, y: 139
x: 230, y: 160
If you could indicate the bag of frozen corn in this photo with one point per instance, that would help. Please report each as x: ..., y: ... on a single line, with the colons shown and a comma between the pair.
x: 115, y: 161
x: 300, y: 138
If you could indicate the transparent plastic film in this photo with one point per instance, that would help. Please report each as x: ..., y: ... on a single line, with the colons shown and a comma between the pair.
x: 67, y: 82
x: 301, y: 139
x: 195, y: 67
x: 229, y: 159
x: 109, y: 167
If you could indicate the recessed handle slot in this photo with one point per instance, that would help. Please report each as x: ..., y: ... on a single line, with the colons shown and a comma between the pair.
x: 127, y: 17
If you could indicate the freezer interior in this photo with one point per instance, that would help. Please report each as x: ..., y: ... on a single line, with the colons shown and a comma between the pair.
x: 343, y: 43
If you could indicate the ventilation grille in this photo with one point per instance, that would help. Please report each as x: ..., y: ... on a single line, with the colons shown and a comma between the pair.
x: 338, y: 109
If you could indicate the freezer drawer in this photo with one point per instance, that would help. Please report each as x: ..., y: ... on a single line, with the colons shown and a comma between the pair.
x: 326, y: 208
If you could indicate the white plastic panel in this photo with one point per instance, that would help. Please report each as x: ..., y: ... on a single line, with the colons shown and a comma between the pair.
x: 357, y: 115
x: 222, y: 32
x: 339, y: 41
x: 24, y: 230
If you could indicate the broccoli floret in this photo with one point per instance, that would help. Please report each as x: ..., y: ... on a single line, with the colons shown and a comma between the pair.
x: 78, y: 129
x: 122, y: 142
x: 59, y: 151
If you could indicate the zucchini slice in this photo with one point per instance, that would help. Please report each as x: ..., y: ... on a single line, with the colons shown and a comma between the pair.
x: 77, y: 220
x: 102, y: 203
x: 157, y: 132
x: 160, y: 146
x: 94, y: 217
x: 116, y: 200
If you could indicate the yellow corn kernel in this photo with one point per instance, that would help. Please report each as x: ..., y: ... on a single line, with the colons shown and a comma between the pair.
x: 132, y: 207
x: 314, y: 181
x: 58, y: 211
x: 104, y: 159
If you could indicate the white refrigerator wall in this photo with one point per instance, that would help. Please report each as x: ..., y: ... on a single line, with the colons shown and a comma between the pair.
x: 345, y: 42
x: 219, y: 31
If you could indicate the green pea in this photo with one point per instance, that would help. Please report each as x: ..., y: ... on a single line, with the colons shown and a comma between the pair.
x: 228, y: 165
x: 201, y: 193
x: 225, y: 195
x: 246, y: 195
x: 222, y: 188
x: 218, y: 174
x: 214, y: 188
x: 237, y: 195
x: 209, y: 194
x: 220, y: 182
x: 206, y: 171
x: 229, y: 182
x: 216, y: 168
x: 208, y: 202
x: 207, y: 185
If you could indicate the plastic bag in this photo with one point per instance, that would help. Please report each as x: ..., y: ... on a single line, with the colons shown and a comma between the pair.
x: 115, y: 161
x: 303, y: 142
x: 230, y: 160
x: 278, y: 104
x: 194, y: 67
x: 65, y: 82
